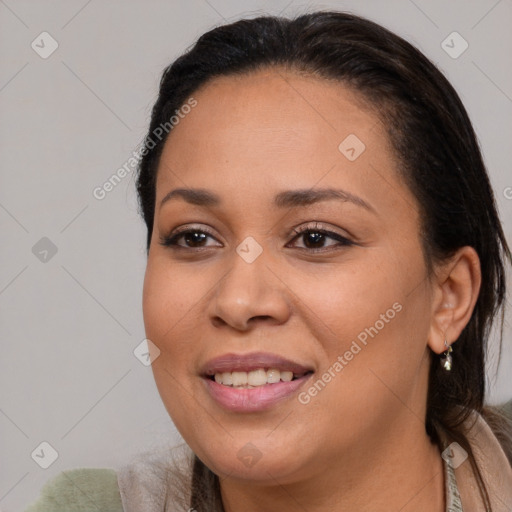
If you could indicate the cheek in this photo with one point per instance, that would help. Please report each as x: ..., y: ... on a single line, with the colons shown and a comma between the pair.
x: 372, y: 333
x: 170, y: 300
x: 168, y: 306
x: 339, y: 305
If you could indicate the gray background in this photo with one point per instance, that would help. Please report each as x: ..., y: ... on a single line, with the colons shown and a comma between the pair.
x: 70, y: 323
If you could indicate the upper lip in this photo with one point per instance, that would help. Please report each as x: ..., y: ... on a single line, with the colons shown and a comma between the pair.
x: 252, y: 361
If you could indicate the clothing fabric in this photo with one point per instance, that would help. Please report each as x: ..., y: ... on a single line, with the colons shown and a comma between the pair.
x: 160, y: 481
x: 451, y: 491
x: 80, y: 490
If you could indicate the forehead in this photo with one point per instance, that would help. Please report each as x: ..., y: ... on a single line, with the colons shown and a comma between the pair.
x: 272, y: 105
x: 274, y: 127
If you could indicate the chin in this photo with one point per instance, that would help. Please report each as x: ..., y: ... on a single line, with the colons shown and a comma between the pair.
x: 248, y: 461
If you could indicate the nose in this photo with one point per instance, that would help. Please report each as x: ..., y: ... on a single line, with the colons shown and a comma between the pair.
x: 249, y: 294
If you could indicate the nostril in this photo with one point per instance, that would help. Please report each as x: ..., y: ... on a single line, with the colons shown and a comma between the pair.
x: 218, y: 322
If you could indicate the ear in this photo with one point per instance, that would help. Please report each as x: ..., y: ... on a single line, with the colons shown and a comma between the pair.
x: 455, y: 291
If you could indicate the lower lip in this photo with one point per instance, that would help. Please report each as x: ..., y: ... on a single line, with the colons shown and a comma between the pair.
x: 253, y: 399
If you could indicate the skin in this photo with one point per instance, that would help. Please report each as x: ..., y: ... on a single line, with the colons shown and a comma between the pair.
x: 360, y: 443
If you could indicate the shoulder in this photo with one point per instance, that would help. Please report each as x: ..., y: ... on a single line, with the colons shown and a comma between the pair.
x: 492, y: 462
x: 157, y: 480
x: 80, y: 490
x: 153, y: 480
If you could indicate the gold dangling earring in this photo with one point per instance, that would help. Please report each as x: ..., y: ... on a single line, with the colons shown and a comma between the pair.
x: 446, y: 359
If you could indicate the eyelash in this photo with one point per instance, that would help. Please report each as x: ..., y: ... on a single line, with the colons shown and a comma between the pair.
x: 171, y: 240
x: 342, y: 241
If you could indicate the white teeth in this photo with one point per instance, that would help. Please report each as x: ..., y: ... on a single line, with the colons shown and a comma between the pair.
x: 273, y: 375
x: 239, y: 378
x: 286, y: 376
x: 226, y: 378
x: 257, y: 377
x: 254, y: 378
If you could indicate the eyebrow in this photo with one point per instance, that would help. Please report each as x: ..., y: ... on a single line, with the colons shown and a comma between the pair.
x: 286, y: 199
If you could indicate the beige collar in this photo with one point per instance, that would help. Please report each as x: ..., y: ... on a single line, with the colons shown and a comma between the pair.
x: 494, y: 466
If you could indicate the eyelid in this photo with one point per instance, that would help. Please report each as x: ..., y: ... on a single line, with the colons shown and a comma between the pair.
x: 193, y: 227
x: 169, y: 240
x: 186, y: 228
x: 322, y: 227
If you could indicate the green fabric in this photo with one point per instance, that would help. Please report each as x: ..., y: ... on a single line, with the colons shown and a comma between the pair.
x: 80, y: 490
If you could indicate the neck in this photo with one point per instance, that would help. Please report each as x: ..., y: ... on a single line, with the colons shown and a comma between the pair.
x: 395, y: 472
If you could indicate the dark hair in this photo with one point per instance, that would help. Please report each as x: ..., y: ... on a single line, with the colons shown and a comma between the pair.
x: 436, y: 150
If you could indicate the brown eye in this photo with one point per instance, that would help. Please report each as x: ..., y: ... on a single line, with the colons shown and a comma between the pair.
x: 189, y: 239
x: 313, y: 240
x: 195, y: 238
x: 318, y: 239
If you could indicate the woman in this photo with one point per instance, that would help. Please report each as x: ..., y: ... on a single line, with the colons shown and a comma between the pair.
x: 325, y: 260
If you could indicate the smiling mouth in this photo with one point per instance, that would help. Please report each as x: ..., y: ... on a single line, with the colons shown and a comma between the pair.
x: 255, y: 378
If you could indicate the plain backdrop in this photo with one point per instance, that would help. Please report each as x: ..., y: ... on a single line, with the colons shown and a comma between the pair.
x: 72, y: 265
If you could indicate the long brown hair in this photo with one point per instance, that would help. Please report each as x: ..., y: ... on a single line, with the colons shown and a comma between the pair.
x: 437, y: 153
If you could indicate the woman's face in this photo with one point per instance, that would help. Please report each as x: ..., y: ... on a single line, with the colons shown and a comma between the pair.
x: 293, y: 252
